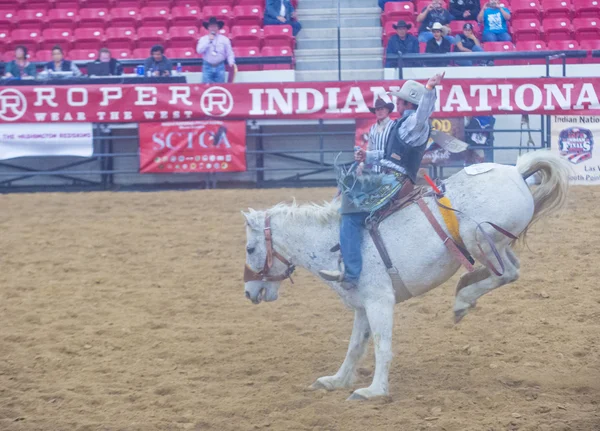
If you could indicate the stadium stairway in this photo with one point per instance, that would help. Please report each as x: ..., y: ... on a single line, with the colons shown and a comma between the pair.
x: 316, y: 45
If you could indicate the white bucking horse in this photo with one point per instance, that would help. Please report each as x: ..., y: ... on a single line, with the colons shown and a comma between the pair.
x: 286, y: 236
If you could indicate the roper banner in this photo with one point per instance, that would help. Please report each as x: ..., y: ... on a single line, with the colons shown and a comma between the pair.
x: 296, y: 100
x: 193, y: 146
x: 575, y: 139
x: 49, y: 139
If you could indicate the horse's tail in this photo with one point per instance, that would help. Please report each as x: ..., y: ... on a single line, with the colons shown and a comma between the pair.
x: 551, y: 195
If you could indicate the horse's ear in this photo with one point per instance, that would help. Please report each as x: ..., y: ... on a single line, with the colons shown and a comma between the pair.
x: 247, y: 216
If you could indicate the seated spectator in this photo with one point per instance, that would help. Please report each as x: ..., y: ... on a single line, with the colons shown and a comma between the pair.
x: 494, y: 18
x: 59, y: 64
x: 464, y: 10
x: 20, y: 67
x: 438, y: 45
x: 215, y: 49
x: 157, y: 64
x: 114, y: 65
x: 401, y: 42
x: 431, y: 14
x: 281, y: 12
x: 467, y: 42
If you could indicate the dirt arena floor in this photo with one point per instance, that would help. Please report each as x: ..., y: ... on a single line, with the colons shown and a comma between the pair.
x: 126, y: 311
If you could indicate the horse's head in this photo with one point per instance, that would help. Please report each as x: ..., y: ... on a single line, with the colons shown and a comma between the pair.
x: 265, y: 267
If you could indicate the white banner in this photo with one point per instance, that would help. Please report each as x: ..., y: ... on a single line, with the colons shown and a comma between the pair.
x: 574, y: 138
x: 46, y: 139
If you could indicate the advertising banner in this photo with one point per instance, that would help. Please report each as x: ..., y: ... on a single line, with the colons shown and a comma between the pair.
x: 290, y: 100
x: 48, y: 139
x: 193, y: 146
x: 575, y: 138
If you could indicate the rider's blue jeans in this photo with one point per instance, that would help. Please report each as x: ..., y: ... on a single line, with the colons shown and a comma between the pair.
x: 351, y: 232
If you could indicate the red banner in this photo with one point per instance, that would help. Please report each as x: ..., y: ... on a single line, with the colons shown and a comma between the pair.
x: 293, y: 100
x: 193, y: 146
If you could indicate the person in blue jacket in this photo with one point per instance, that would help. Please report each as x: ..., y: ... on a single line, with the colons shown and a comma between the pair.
x: 401, y: 42
x: 282, y: 12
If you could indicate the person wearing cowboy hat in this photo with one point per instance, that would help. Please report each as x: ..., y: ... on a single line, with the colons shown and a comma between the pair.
x: 400, y: 160
x: 379, y: 131
x: 401, y: 42
x: 215, y: 50
x: 438, y: 45
x: 281, y: 12
x: 431, y: 14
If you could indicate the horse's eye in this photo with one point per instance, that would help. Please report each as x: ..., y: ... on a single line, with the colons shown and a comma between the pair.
x: 250, y: 250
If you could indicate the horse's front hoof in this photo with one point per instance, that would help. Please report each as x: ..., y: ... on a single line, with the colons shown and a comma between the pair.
x: 356, y: 397
x: 322, y: 383
x: 459, y: 315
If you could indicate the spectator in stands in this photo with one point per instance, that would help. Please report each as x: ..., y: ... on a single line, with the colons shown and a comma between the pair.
x: 20, y: 67
x: 282, y: 12
x: 438, y: 45
x: 464, y: 10
x: 215, y: 49
x: 401, y: 42
x: 157, y: 64
x: 431, y: 14
x: 59, y: 64
x: 114, y: 65
x: 467, y: 42
x: 494, y: 18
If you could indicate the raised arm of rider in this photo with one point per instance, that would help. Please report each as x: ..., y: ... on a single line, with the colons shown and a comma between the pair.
x: 417, y: 124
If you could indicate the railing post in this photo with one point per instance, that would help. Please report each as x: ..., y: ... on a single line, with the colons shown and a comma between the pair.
x: 339, y: 40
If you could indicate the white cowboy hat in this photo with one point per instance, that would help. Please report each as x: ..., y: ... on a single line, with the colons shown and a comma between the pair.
x: 411, y: 92
x: 438, y: 26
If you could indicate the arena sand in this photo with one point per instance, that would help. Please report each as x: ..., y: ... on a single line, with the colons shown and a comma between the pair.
x: 126, y: 311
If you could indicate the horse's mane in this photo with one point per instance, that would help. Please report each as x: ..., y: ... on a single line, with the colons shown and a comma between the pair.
x: 322, y: 214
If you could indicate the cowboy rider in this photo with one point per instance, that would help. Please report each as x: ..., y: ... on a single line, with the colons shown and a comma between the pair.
x: 400, y: 160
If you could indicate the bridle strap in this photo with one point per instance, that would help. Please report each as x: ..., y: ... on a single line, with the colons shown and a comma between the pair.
x: 251, y: 275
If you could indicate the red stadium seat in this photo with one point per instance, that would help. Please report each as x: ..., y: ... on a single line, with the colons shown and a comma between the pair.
x: 155, y: 16
x: 183, y: 37
x: 590, y: 45
x: 83, y: 54
x: 33, y: 19
x: 120, y: 37
x: 247, y: 52
x: 186, y: 3
x: 246, y: 36
x: 62, y: 18
x: 140, y: 53
x: 36, y: 5
x: 222, y: 13
x: 93, y: 17
x: 276, y: 51
x: 4, y: 37
x: 149, y: 36
x: 179, y: 53
x: 586, y: 8
x: 51, y: 37
x: 531, y: 46
x: 10, y: 4
x: 557, y: 9
x: 7, y: 19
x: 564, y: 45
x: 159, y: 3
x: 278, y: 35
x: 422, y: 47
x: 499, y: 47
x: 586, y: 28
x: 248, y: 15
x: 186, y: 16
x: 525, y: 9
x: 393, y: 12
x: 558, y: 29
x: 66, y: 4
x: 526, y: 29
x: 45, y: 55
x: 26, y: 37
x: 123, y: 54
x: 224, y: 31
x: 88, y: 38
x: 124, y: 17
x: 228, y: 3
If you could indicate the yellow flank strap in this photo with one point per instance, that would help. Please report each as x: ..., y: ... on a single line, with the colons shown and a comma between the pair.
x: 450, y: 220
